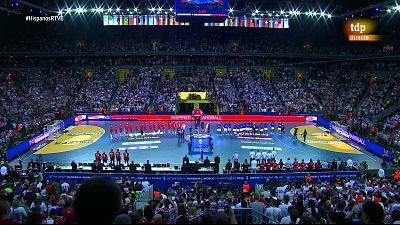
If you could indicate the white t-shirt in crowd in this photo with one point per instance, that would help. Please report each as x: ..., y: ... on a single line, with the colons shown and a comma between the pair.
x: 258, y: 155
x: 252, y: 154
x: 3, y: 171
x: 281, y: 192
x: 288, y: 164
x: 284, y: 208
x: 274, y: 213
x: 39, y: 185
x: 287, y: 220
x: 254, y: 164
x: 350, y: 163
x: 65, y: 186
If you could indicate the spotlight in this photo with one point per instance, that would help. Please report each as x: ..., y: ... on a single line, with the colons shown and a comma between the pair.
x: 118, y: 9
x: 230, y: 10
x: 135, y: 9
x: 329, y: 15
x: 322, y: 14
x: 257, y: 11
x: 160, y: 9
x: 314, y: 13
x: 60, y: 12
x: 69, y: 10
x: 109, y: 9
x: 152, y: 9
x: 171, y: 9
x: 79, y: 10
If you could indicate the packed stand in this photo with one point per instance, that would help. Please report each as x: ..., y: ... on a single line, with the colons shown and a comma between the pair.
x: 97, y: 90
x: 294, y: 96
x: 166, y: 99
x: 133, y: 95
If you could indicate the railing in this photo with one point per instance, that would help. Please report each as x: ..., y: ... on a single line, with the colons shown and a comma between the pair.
x: 144, y: 198
x: 252, y: 216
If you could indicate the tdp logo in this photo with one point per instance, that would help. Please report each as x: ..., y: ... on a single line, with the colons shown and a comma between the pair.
x: 360, y: 28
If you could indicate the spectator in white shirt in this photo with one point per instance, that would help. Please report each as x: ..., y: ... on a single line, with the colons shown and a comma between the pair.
x: 288, y: 164
x: 18, y: 212
x: 274, y: 213
x: 65, y: 187
x: 254, y: 166
x: 350, y: 163
x: 285, y: 206
x: 3, y: 170
x: 292, y: 218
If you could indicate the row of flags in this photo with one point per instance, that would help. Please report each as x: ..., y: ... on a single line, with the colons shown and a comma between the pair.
x: 141, y: 20
x: 169, y: 20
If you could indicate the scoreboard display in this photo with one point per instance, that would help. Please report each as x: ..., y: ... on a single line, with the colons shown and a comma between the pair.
x: 201, y: 10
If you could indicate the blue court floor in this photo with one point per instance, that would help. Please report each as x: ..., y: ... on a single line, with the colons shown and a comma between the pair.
x: 167, y: 148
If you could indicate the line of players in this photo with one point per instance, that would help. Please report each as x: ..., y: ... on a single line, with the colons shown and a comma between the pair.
x: 114, y: 156
x: 141, y: 128
x: 250, y: 128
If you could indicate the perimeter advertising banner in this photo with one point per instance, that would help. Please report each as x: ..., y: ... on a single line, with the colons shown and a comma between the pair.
x: 165, y: 181
x: 368, y: 145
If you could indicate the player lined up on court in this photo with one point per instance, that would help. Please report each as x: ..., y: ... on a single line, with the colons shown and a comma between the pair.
x: 113, y: 155
x: 119, y: 131
x: 249, y: 129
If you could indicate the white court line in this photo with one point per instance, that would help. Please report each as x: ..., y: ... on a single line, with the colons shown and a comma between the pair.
x: 141, y: 142
x: 139, y: 147
x: 261, y: 148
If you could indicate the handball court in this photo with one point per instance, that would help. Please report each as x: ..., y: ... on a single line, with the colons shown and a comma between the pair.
x: 82, y: 140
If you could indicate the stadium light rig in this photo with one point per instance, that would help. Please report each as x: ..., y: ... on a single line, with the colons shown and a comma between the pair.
x: 79, y: 10
x: 100, y: 10
x: 255, y: 12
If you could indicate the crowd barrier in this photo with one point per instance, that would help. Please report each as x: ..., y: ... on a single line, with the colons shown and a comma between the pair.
x: 165, y: 181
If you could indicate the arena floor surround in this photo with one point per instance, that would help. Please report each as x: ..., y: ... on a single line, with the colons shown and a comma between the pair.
x: 83, y: 139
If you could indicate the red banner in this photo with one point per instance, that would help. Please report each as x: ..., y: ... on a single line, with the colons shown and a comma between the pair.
x: 255, y: 118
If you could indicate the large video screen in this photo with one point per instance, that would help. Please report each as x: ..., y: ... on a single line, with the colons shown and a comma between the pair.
x: 202, y: 7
